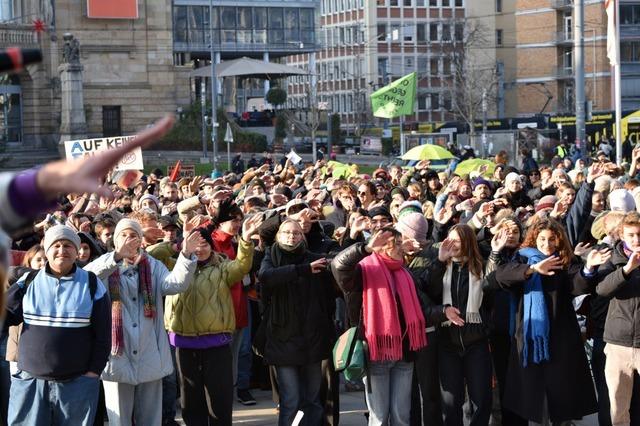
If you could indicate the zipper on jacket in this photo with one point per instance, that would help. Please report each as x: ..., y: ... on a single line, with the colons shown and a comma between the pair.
x: 458, y: 297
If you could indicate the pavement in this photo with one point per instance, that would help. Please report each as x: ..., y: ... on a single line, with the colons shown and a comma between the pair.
x: 352, y: 409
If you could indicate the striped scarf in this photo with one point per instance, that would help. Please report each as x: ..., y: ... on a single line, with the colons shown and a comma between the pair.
x: 144, y: 288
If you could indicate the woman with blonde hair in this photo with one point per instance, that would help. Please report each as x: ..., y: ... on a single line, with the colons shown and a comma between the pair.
x: 548, y: 377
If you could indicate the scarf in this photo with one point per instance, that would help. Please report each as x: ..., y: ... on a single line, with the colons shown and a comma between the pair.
x: 283, y: 254
x: 474, y: 297
x: 535, y: 322
x: 381, y: 278
x: 144, y: 287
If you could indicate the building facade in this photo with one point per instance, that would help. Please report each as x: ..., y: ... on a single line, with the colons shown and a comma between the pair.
x: 367, y: 44
x: 137, y: 67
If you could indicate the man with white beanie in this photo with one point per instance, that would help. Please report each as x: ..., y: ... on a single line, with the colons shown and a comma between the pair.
x: 140, y: 354
x: 65, y: 341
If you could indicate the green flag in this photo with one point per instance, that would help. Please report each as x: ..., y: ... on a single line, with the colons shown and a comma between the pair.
x: 396, y: 99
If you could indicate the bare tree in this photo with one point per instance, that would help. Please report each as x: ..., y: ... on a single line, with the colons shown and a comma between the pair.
x: 473, y: 72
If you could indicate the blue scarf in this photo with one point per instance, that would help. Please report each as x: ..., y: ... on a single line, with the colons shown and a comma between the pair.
x: 535, y: 316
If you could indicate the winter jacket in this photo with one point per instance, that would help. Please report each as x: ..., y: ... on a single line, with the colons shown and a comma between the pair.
x: 146, y: 356
x: 622, y: 326
x: 578, y: 216
x: 299, y: 307
x: 206, y: 307
x: 66, y: 332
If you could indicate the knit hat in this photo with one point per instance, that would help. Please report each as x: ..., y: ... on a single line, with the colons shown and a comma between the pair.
x: 409, y: 207
x: 149, y: 197
x: 621, y: 200
x: 296, y: 202
x: 400, y: 190
x: 511, y: 177
x: 546, y: 202
x: 381, y: 173
x: 480, y: 181
x: 414, y: 226
x: 60, y: 232
x: 127, y: 224
x: 379, y: 211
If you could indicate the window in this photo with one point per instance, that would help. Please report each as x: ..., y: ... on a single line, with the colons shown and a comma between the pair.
x: 629, y: 14
x: 408, y: 64
x: 307, y: 26
x: 260, y: 25
x: 446, y: 66
x: 433, y: 3
x: 111, y: 121
x: 409, y: 33
x: 498, y: 5
x: 383, y: 67
x: 459, y: 30
x: 407, y: 2
x: 421, y: 30
x: 433, y: 32
x: 423, y: 65
x: 276, y: 25
x: 420, y: 3
x: 630, y: 51
x: 382, y: 32
x: 445, y: 3
x: 393, y: 2
x: 434, y: 66
x: 435, y: 101
x: 424, y: 102
x: 446, y: 32
x: 498, y: 37
x: 396, y: 66
x: 459, y: 3
x: 228, y: 24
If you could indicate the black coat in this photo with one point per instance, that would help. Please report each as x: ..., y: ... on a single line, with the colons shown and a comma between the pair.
x: 565, y: 378
x: 622, y: 326
x: 299, y: 308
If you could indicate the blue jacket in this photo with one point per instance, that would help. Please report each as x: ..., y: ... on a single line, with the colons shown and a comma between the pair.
x: 65, y: 333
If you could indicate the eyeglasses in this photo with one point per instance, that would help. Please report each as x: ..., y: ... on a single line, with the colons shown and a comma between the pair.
x: 294, y: 233
x: 362, y: 193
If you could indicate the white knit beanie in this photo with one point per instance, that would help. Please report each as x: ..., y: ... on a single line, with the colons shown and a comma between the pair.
x: 60, y: 232
x: 127, y: 224
x: 621, y: 200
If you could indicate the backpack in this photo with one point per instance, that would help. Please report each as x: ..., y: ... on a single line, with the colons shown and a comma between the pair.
x: 93, y: 282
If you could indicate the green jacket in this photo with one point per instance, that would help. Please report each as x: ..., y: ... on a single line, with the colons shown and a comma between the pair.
x: 206, y: 307
x: 165, y: 253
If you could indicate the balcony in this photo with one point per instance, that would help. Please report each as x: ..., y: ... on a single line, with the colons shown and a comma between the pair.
x: 564, y: 37
x: 563, y: 73
x: 561, y: 4
x: 17, y: 35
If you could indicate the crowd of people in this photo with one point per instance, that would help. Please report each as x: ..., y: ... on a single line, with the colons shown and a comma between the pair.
x: 507, y: 296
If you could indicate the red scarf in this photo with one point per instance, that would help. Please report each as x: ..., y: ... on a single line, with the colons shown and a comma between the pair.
x: 223, y: 243
x: 382, y: 277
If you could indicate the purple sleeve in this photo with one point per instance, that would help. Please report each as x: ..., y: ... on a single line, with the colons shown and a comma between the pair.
x: 25, y: 197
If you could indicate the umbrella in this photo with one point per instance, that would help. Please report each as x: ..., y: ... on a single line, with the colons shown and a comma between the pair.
x: 427, y: 152
x: 249, y: 68
x: 473, y: 164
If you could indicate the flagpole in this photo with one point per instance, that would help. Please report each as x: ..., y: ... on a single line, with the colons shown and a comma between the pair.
x: 618, y: 87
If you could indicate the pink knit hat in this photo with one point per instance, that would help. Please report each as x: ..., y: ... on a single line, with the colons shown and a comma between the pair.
x: 546, y: 202
x: 413, y: 225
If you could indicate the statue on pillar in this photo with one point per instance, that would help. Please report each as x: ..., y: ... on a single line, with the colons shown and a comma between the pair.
x: 71, y: 50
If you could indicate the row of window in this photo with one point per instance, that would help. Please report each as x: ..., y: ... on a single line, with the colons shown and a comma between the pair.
x: 337, y: 6
x: 421, y: 32
x: 403, y: 65
x: 630, y: 14
x: 348, y: 103
x: 250, y: 25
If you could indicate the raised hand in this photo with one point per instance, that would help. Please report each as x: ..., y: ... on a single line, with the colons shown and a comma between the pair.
x: 86, y: 174
x: 547, y: 266
x: 499, y: 241
x: 446, y: 250
x: 598, y: 257
x: 444, y: 215
x: 127, y: 250
x: 581, y: 249
x: 361, y: 223
x: 595, y: 171
x: 632, y: 263
x: 379, y: 241
x: 410, y: 246
x: 559, y: 209
x: 193, y: 223
x: 191, y: 243
x: 318, y: 266
x: 250, y: 226
x: 194, y: 186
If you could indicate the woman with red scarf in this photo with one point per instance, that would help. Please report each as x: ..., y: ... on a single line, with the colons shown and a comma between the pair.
x: 394, y: 325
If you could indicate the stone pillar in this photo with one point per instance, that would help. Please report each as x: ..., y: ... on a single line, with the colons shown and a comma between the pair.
x: 73, y: 123
x: 267, y: 86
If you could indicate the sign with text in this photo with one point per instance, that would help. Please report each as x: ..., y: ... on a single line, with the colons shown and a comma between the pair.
x: 112, y: 9
x: 370, y: 145
x: 186, y: 171
x: 396, y: 99
x: 84, y: 147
